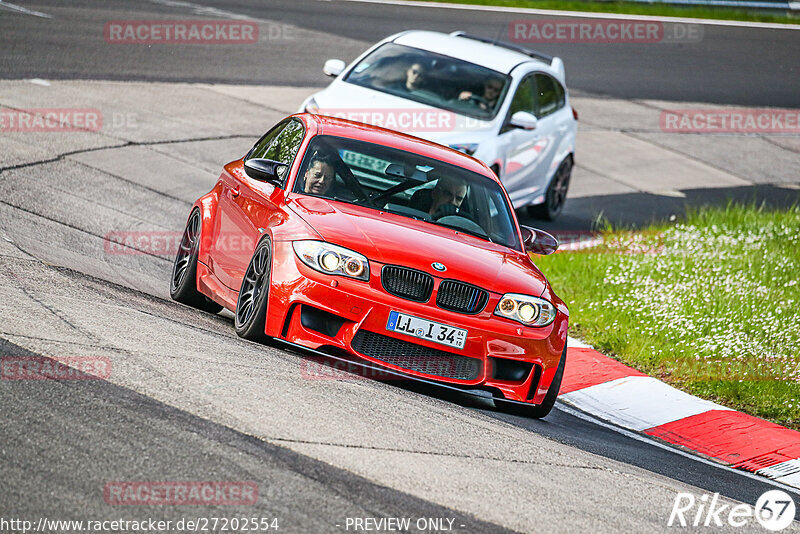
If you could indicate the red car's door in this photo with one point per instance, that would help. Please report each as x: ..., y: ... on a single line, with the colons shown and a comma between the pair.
x: 233, y: 233
x: 244, y: 201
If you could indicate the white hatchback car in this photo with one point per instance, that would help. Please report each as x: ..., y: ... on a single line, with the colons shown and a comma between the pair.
x: 501, y: 103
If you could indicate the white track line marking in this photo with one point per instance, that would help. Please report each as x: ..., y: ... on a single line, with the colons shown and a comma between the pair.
x: 574, y: 343
x: 646, y: 439
x: 638, y: 402
x: 198, y: 9
x: 791, y: 480
x: 14, y: 7
x: 787, y: 472
x: 580, y: 14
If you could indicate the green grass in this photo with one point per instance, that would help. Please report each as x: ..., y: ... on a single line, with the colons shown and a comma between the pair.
x: 709, y: 304
x: 654, y: 9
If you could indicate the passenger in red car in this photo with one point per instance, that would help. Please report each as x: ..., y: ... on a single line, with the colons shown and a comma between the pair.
x: 442, y: 200
x: 320, y: 176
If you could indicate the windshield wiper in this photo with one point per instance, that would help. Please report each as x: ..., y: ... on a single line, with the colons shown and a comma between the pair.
x: 461, y: 229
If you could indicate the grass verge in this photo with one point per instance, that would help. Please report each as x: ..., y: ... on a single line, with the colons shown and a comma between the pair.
x: 709, y: 304
x: 656, y: 9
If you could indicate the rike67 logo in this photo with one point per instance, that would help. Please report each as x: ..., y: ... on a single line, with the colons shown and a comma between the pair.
x: 774, y: 510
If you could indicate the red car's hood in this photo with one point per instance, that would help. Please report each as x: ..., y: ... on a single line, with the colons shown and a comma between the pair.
x: 394, y: 239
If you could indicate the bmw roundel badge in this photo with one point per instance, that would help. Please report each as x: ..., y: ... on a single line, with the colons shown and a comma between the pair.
x: 439, y: 266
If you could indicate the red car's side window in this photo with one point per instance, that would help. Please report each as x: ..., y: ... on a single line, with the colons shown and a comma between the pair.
x: 280, y: 144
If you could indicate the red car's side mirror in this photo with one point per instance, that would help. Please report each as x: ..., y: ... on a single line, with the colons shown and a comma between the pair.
x: 264, y: 170
x: 538, y: 241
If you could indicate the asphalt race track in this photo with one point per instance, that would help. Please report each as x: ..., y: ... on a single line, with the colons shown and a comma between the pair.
x: 729, y: 65
x: 187, y: 400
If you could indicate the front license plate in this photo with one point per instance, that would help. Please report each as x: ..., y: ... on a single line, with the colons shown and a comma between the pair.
x: 424, y: 329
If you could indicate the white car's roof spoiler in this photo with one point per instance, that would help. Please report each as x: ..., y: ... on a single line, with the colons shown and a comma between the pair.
x: 553, y: 61
x: 558, y: 66
x: 516, y: 48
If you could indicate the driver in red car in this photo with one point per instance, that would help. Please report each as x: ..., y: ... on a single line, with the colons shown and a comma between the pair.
x: 444, y: 199
x: 320, y: 175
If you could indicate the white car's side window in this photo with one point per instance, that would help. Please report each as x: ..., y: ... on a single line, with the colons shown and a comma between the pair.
x: 549, y: 95
x: 523, y: 100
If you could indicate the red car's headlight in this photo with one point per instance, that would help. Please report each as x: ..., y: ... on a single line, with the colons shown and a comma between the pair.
x: 525, y: 309
x: 332, y: 259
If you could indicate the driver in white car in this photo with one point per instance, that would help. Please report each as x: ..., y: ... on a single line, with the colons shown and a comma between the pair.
x: 491, y: 92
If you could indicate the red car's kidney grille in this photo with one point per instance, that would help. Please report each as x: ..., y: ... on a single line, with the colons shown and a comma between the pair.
x: 461, y: 297
x: 416, y: 357
x: 407, y: 283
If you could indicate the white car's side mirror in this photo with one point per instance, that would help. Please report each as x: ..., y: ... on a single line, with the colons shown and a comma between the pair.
x: 524, y: 120
x: 333, y: 67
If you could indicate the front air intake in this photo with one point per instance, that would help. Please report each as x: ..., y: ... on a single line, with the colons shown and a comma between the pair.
x: 416, y: 357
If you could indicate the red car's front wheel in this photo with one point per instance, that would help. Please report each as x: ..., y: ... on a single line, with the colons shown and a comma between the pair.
x: 251, y: 306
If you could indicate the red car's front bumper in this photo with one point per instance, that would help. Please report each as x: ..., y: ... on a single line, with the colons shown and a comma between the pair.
x: 317, y: 310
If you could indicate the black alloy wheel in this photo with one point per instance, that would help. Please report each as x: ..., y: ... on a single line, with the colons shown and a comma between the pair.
x: 251, y: 307
x: 183, y: 283
x: 556, y: 195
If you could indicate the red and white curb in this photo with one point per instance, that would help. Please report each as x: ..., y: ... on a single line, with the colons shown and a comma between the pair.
x: 614, y: 392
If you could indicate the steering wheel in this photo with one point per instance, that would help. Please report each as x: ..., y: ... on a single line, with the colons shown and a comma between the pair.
x: 478, y: 101
x: 445, y: 210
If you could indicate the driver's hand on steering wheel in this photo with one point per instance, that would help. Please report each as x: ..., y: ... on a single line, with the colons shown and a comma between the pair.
x: 465, y: 95
x: 445, y: 210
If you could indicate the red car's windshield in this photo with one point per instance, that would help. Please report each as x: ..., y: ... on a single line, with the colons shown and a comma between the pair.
x: 407, y: 184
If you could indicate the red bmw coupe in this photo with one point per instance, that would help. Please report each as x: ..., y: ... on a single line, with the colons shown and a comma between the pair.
x: 339, y: 236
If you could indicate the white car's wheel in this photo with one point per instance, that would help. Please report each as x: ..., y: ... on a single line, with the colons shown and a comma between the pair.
x: 556, y: 195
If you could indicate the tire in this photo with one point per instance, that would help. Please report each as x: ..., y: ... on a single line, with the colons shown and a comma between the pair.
x: 251, y: 306
x: 183, y: 283
x: 540, y: 410
x: 556, y: 195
